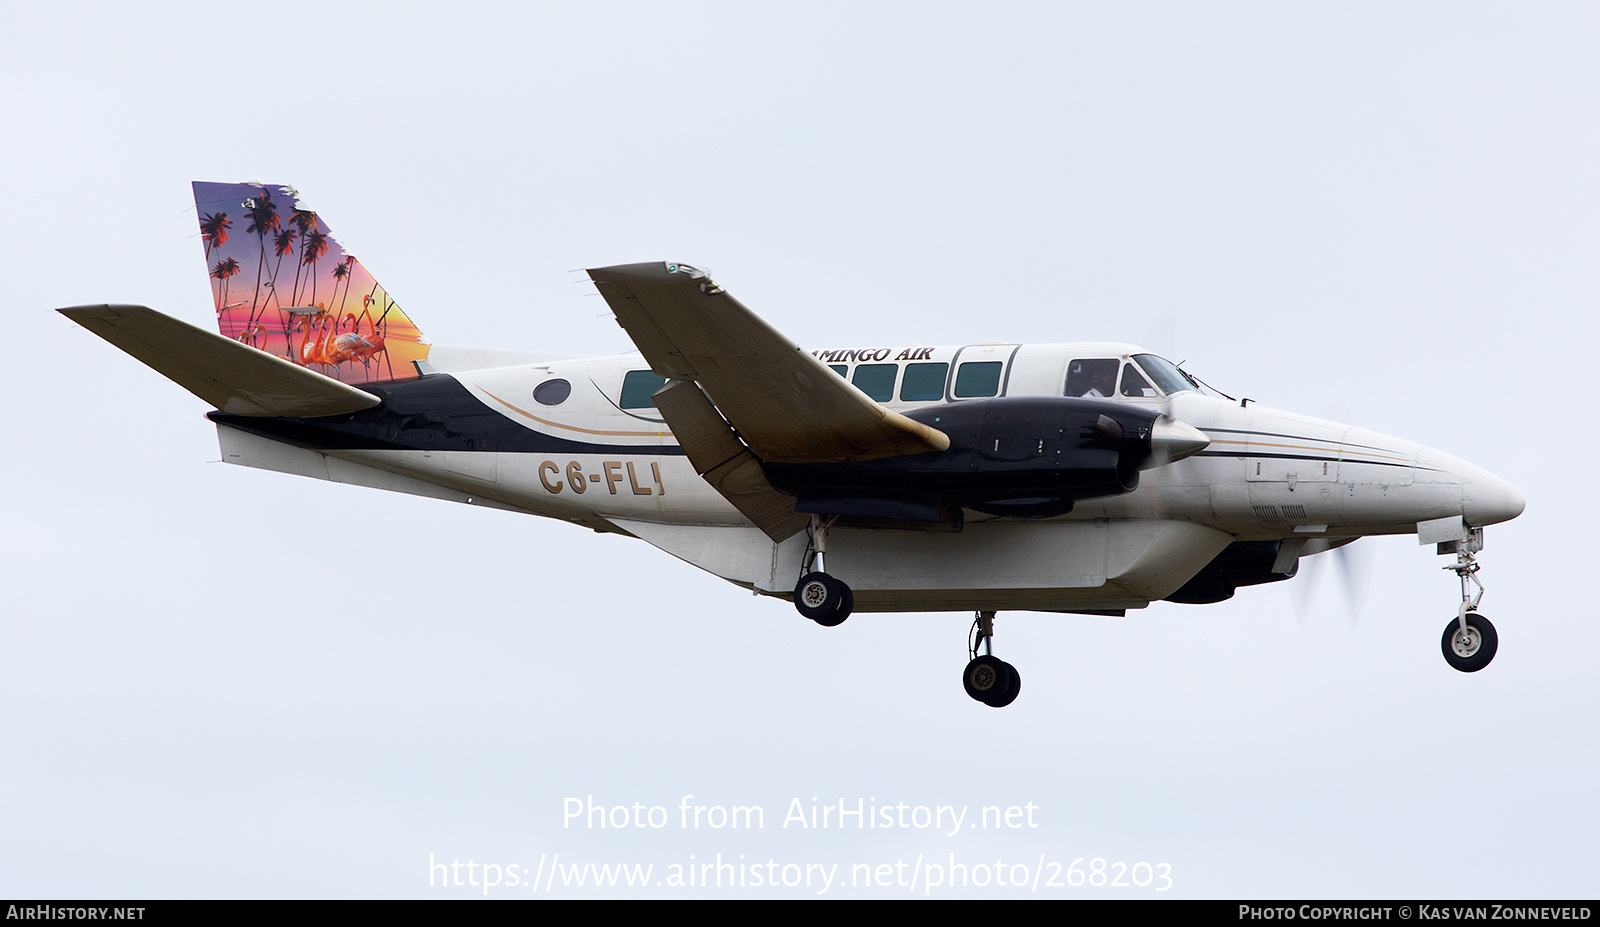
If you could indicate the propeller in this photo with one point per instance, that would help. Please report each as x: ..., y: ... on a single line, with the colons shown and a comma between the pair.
x: 1351, y: 569
x: 1161, y: 335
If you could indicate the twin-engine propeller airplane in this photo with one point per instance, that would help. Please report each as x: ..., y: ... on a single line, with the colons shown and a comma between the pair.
x: 1089, y: 478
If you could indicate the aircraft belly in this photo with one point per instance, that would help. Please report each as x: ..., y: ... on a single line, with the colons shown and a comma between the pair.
x: 993, y: 555
x: 475, y: 465
x: 244, y: 449
x: 742, y: 555
x: 449, y: 479
x: 1036, y: 565
x: 1155, y: 558
x: 965, y: 600
x: 1046, y: 565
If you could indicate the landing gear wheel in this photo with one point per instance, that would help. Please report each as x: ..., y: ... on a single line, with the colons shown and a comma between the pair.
x: 1471, y: 650
x: 990, y: 680
x: 847, y: 604
x: 817, y: 596
x: 1010, y: 696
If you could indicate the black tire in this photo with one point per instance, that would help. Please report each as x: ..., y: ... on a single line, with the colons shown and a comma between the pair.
x: 816, y: 596
x: 1474, y: 651
x: 987, y: 679
x: 1011, y: 695
x: 847, y: 604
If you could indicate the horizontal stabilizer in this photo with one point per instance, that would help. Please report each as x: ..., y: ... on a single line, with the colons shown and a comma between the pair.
x: 234, y: 377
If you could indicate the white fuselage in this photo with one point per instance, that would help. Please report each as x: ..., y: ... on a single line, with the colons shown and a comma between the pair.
x: 1266, y: 475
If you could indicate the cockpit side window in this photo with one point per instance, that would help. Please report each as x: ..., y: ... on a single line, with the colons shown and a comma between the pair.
x: 1134, y: 384
x: 1092, y: 378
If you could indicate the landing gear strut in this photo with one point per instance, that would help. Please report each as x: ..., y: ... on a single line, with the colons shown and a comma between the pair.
x: 818, y: 596
x: 1469, y: 641
x: 988, y: 678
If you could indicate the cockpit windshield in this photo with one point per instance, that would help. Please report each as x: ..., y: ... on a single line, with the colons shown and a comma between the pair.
x: 1165, y: 374
x: 1143, y: 376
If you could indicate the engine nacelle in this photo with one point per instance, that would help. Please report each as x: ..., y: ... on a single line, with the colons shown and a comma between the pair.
x: 1242, y: 563
x: 1030, y: 457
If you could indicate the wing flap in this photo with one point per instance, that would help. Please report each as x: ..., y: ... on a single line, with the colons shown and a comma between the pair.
x: 722, y: 459
x: 233, y: 377
x: 784, y: 403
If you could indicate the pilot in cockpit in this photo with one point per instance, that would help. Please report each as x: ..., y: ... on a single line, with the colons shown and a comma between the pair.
x: 1092, y: 379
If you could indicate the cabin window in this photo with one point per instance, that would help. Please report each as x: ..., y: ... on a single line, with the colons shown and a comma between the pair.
x: 552, y: 392
x: 1092, y: 379
x: 924, y: 382
x: 1134, y: 384
x: 980, y: 378
x: 876, y: 380
x: 637, y: 388
x: 840, y: 369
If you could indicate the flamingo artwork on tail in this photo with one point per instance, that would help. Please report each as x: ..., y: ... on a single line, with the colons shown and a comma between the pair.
x: 365, y: 348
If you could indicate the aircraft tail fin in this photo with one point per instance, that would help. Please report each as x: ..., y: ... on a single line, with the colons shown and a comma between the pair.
x: 234, y: 377
x: 283, y: 284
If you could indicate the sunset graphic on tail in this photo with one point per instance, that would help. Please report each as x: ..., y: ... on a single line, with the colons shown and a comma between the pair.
x: 283, y: 284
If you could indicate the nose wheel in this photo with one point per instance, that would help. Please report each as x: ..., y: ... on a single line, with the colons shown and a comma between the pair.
x: 1469, y: 641
x: 987, y: 678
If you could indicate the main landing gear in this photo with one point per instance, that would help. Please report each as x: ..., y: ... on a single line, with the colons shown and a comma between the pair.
x: 828, y: 601
x: 818, y: 596
x: 1469, y: 641
x: 988, y: 678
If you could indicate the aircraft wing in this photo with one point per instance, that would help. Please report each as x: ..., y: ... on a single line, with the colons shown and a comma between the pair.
x: 786, y: 405
x: 234, y: 377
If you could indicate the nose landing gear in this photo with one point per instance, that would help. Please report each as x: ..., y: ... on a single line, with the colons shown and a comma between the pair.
x: 1469, y: 641
x: 988, y: 678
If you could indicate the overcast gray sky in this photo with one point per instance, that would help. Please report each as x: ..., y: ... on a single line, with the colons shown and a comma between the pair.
x: 1383, y: 213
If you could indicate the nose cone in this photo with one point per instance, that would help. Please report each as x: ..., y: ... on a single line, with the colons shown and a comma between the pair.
x: 1488, y: 500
